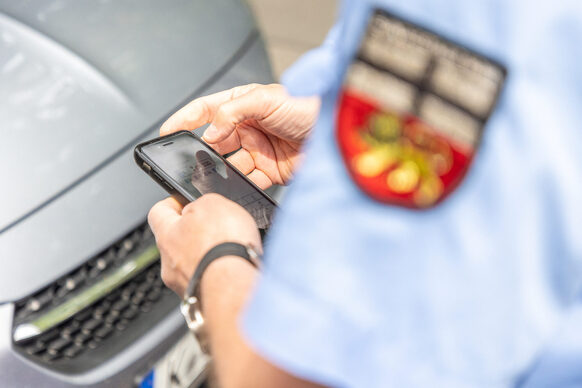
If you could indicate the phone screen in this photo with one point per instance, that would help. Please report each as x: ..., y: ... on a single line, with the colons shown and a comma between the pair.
x: 198, y: 170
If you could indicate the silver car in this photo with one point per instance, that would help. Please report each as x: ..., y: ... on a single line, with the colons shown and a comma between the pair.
x: 81, y: 82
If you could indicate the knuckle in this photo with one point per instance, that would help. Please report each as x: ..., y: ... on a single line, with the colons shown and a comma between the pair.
x: 152, y: 214
x: 167, y: 276
x: 240, y: 90
x: 256, y: 86
x: 191, y: 207
x: 269, y: 94
x: 211, y: 198
x: 204, y: 109
x: 261, y: 94
x: 223, y: 112
x: 194, y: 105
x: 275, y: 86
x: 210, y: 202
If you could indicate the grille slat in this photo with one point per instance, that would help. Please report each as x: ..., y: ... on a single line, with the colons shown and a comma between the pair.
x: 100, y: 325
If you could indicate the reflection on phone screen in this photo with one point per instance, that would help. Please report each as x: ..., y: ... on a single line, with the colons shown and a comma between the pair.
x: 199, y: 171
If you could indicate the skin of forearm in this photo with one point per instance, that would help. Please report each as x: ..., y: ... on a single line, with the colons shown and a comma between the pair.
x: 226, y: 287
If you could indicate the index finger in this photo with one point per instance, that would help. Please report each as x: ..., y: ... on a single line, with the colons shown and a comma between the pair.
x: 201, y: 110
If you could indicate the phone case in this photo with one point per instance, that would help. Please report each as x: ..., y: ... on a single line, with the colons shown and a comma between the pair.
x: 166, y: 181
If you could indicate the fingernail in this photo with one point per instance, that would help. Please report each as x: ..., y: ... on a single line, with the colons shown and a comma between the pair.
x: 211, y: 134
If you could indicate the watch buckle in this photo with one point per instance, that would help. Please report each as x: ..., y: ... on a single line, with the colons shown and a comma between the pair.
x: 190, y: 309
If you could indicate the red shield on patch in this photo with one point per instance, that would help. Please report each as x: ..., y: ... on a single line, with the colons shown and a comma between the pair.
x: 411, y: 112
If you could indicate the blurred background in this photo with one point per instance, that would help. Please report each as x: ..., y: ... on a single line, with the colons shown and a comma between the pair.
x: 290, y: 28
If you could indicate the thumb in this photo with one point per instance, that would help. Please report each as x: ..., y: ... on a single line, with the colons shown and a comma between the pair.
x: 163, y: 214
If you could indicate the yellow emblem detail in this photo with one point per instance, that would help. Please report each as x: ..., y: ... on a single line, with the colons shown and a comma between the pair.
x: 410, y: 156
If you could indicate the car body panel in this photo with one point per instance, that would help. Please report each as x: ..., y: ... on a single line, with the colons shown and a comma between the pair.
x: 107, y: 202
x: 80, y: 79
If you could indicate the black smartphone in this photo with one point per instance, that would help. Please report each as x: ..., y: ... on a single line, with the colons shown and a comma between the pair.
x: 186, y: 167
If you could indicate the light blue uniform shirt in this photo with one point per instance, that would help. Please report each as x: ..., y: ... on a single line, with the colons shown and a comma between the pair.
x: 484, y: 290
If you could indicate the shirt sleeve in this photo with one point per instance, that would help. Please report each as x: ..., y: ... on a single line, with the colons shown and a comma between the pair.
x: 320, y: 69
x: 315, y: 71
x: 284, y: 322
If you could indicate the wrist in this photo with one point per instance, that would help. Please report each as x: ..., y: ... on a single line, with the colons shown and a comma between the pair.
x: 225, y: 281
x: 223, y: 277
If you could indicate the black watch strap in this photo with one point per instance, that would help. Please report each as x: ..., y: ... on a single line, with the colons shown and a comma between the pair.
x: 191, y: 306
x: 221, y: 250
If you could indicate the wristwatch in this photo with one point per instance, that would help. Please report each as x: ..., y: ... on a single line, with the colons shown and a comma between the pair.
x: 191, y: 306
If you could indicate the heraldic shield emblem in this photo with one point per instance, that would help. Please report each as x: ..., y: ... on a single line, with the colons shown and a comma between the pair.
x: 412, y: 111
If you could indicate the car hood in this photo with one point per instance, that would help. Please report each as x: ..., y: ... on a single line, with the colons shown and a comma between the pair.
x: 80, y: 80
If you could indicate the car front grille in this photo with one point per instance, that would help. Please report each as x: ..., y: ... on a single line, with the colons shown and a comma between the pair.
x: 97, y: 310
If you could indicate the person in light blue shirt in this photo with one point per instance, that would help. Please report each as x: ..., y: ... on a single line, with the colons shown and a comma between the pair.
x: 432, y: 236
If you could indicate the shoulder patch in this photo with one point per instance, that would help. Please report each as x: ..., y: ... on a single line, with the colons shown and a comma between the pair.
x: 412, y: 111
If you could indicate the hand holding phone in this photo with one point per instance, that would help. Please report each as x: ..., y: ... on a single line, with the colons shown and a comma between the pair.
x: 262, y: 123
x: 187, y: 168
